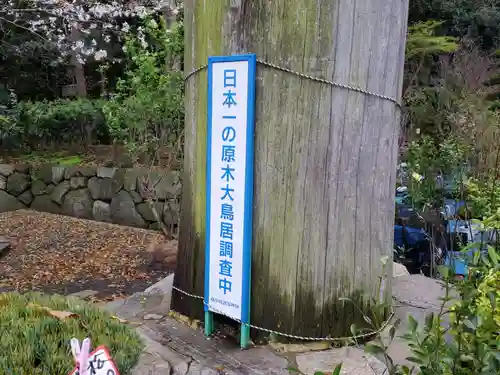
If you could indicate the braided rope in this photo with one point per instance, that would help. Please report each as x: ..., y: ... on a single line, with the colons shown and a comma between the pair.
x: 309, y: 77
x: 304, y: 338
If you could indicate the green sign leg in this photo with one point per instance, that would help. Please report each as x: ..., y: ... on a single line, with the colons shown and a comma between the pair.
x: 245, y: 336
x: 209, y: 323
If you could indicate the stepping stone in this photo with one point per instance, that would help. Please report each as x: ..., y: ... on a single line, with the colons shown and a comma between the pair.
x: 354, y: 362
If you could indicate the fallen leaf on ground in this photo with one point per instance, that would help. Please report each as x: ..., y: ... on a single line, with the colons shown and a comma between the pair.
x: 61, y: 254
x: 125, y: 321
x: 55, y: 313
x: 61, y: 314
x: 121, y: 320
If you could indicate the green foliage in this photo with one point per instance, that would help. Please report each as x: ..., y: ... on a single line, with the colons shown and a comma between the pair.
x: 483, y: 196
x: 8, y: 111
x: 336, y: 371
x: 35, y: 341
x: 474, y: 323
x: 36, y: 158
x: 475, y: 318
x: 488, y: 301
x: 54, y: 122
x: 429, y: 109
x: 422, y: 41
x: 429, y: 159
x: 477, y: 20
x: 146, y: 112
x: 462, y: 338
x: 445, y: 76
x: 425, y: 156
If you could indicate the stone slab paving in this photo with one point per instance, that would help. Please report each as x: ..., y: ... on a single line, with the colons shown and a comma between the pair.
x: 418, y: 296
x: 354, y: 361
x: 174, y: 348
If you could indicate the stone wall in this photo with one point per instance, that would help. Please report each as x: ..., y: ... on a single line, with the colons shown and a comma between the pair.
x: 115, y: 195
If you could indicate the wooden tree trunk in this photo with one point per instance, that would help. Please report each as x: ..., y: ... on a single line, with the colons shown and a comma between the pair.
x: 325, y: 157
x: 170, y: 18
x: 79, y: 69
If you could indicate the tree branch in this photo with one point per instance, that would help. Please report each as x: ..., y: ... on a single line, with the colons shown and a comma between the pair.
x: 22, y: 27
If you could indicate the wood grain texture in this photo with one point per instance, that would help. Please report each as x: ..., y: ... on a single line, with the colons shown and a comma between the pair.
x: 324, y: 157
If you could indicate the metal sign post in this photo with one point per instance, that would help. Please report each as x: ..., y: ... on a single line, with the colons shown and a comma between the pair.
x: 231, y: 106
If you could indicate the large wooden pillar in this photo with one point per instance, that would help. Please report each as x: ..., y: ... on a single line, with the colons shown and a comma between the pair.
x: 325, y: 156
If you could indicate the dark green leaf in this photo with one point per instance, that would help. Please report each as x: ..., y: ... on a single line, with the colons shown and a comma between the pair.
x: 466, y: 358
x: 373, y: 348
x: 429, y: 320
x: 470, y: 324
x: 407, y: 337
x: 353, y: 329
x: 418, y: 351
x: 493, y: 255
x: 444, y: 271
x: 418, y: 361
x: 412, y: 323
x: 367, y: 319
x: 497, y: 356
x: 453, y: 348
x: 337, y: 369
x: 392, y: 332
x: 477, y: 254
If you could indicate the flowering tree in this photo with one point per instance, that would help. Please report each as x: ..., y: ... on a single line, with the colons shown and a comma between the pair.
x: 80, y: 30
x: 97, y: 22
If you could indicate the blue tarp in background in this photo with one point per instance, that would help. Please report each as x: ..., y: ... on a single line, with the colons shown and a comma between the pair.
x: 411, y: 235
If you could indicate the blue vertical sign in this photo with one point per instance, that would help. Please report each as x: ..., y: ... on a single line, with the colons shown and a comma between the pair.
x: 231, y: 106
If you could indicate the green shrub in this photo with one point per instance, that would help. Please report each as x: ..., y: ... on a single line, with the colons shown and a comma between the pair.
x: 489, y: 298
x: 483, y: 196
x: 473, y: 343
x: 66, y: 121
x: 35, y: 341
x: 463, y: 338
x: 146, y: 111
x: 8, y: 113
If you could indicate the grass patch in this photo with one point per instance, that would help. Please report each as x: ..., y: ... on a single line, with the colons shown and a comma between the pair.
x: 40, y: 157
x: 35, y: 342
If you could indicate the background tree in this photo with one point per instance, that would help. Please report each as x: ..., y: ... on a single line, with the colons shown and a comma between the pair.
x: 77, y: 32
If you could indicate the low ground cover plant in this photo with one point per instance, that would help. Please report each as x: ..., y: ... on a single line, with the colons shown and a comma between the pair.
x: 36, y: 330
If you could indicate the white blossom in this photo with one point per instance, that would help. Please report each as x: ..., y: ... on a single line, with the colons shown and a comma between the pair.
x: 100, y: 55
x: 54, y: 19
x: 125, y: 27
